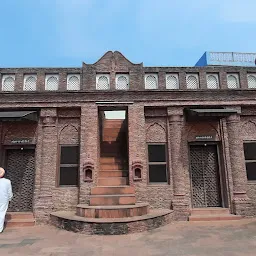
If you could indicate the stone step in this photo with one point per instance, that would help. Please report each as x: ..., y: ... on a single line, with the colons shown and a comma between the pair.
x: 125, y: 199
x: 116, y: 211
x: 112, y: 129
x: 113, y: 124
x: 214, y: 217
x: 112, y: 160
x: 117, y: 154
x: 113, y: 166
x: 209, y: 211
x: 110, y: 147
x: 115, y: 181
x: 16, y: 223
x: 19, y: 219
x: 111, y: 226
x: 108, y: 173
x: 19, y: 216
x: 112, y: 190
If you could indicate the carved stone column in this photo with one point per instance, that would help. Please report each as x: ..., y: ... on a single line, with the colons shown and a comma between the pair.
x: 176, y: 123
x: 237, y: 163
x: 46, y: 171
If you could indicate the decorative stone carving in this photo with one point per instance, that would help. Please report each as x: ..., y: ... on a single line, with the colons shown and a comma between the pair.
x: 49, y: 120
x: 137, y: 168
x: 88, y: 168
x: 156, y: 133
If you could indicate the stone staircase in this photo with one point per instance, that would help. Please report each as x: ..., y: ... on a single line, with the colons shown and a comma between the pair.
x: 212, y: 214
x: 113, y: 190
x: 112, y: 207
x: 19, y: 219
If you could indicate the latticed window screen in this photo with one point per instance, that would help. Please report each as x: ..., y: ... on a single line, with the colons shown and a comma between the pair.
x: 8, y: 83
x: 102, y: 82
x: 192, y: 81
x: 151, y: 81
x: 212, y: 81
x: 29, y: 83
x: 122, y: 82
x: 251, y: 81
x: 172, y: 81
x: 73, y: 82
x: 52, y: 82
x: 233, y: 81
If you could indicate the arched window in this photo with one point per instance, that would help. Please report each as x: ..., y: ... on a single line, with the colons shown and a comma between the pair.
x: 232, y: 81
x: 29, y: 83
x: 192, y: 81
x: 151, y: 81
x: 73, y: 82
x: 122, y: 82
x: 251, y: 81
x: 102, y: 82
x: 8, y: 83
x: 212, y: 81
x: 52, y: 82
x: 172, y: 81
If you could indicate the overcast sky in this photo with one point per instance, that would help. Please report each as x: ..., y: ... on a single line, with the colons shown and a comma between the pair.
x: 65, y: 33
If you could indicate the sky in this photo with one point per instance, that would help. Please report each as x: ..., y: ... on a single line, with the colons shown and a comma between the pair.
x: 65, y: 33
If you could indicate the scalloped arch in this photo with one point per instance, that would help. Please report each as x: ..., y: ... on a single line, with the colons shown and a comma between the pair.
x: 192, y: 127
x: 69, y: 134
x: 156, y: 133
x: 248, y: 128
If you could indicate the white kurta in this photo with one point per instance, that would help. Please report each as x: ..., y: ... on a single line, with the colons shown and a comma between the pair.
x: 5, y: 197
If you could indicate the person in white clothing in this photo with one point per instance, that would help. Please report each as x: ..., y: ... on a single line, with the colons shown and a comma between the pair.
x: 5, y: 197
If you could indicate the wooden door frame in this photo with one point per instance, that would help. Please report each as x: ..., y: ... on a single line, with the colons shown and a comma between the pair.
x: 13, y: 147
x: 19, y: 147
x: 221, y: 182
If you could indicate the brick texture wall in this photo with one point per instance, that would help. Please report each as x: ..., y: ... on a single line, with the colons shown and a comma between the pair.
x: 72, y: 118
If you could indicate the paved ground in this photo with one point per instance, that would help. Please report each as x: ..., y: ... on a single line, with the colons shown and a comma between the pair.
x: 182, y: 239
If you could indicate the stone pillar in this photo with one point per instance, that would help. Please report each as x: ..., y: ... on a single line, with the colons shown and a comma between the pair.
x: 137, y: 149
x: 237, y: 162
x: 46, y: 171
x: 89, y: 149
x: 179, y: 202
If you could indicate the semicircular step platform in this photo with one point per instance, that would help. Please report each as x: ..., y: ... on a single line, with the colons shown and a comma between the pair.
x: 112, y: 211
x: 111, y: 226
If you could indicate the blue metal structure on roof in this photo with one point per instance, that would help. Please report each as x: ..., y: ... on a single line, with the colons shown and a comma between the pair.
x: 227, y: 59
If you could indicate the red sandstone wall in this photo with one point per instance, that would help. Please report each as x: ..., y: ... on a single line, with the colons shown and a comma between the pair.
x: 249, y: 134
x: 55, y: 128
x: 158, y: 195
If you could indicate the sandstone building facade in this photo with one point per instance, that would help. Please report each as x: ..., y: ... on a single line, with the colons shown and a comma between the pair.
x: 187, y: 141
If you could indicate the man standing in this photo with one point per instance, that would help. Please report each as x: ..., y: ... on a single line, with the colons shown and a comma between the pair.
x: 5, y: 197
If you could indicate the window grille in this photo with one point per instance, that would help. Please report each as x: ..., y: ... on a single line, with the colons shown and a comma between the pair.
x: 172, y: 81
x: 157, y: 163
x: 29, y: 83
x: 73, y: 82
x: 192, y: 81
x: 8, y: 82
x: 232, y: 81
x: 52, y: 82
x: 122, y: 82
x: 250, y: 159
x: 102, y: 82
x: 69, y: 162
x: 212, y: 81
x: 151, y: 81
x: 251, y: 81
